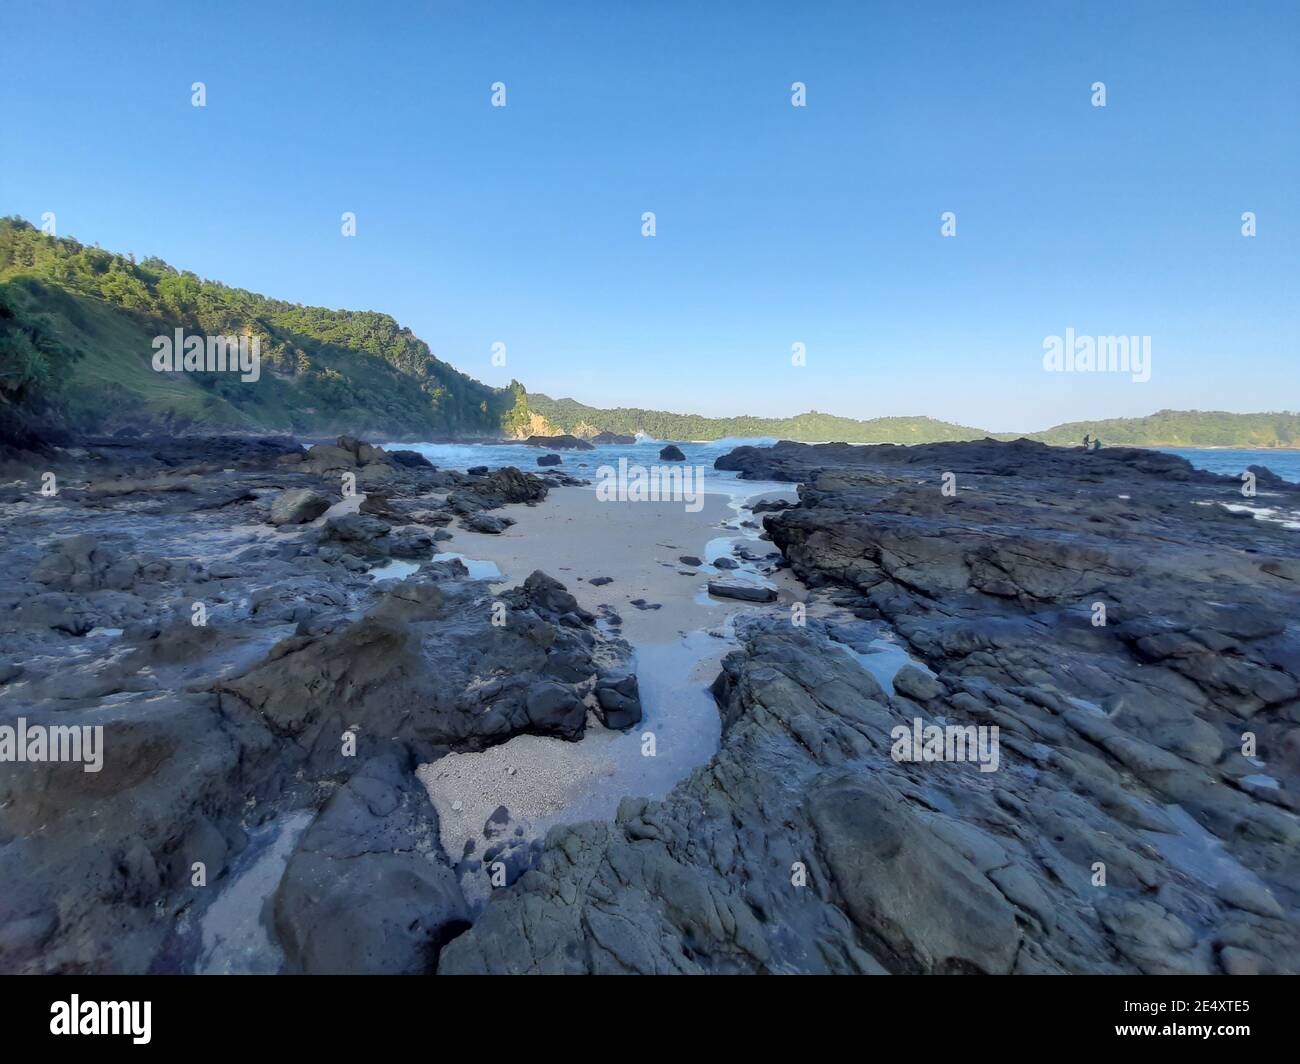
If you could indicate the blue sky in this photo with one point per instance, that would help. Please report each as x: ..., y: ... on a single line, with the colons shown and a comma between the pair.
x: 776, y: 224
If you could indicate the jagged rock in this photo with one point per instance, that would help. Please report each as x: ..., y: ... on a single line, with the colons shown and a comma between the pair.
x: 809, y: 843
x: 355, y: 528
x: 554, y: 709
x: 672, y: 453
x: 410, y: 459
x: 426, y: 667
x: 326, y: 458
x: 558, y: 443
x: 489, y: 524
x: 368, y: 889
x: 505, y: 485
x: 173, y: 775
x: 85, y: 563
x: 618, y: 701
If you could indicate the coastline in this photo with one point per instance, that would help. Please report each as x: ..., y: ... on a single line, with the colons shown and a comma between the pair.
x: 359, y: 756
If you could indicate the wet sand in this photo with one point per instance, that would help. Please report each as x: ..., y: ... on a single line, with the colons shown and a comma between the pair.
x: 573, y: 536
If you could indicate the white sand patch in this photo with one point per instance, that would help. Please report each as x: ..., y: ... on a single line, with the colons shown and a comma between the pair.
x: 572, y: 535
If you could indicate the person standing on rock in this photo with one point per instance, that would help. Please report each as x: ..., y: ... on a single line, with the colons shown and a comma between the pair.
x: 1087, y: 441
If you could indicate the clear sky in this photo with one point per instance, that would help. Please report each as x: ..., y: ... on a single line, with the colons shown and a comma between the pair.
x: 775, y: 224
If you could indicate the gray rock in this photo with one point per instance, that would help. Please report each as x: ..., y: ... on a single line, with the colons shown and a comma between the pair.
x: 489, y: 524
x: 554, y: 709
x: 410, y: 459
x: 745, y: 592
x: 618, y: 700
x: 912, y: 682
x: 298, y: 506
x: 368, y: 890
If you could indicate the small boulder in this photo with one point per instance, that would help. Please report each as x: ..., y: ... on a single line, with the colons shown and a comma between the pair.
x: 488, y: 524
x: 298, y: 506
x: 554, y: 709
x: 618, y: 701
x: 410, y: 459
x: 912, y: 682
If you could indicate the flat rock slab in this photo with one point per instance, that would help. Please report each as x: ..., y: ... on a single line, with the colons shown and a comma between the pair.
x: 744, y: 592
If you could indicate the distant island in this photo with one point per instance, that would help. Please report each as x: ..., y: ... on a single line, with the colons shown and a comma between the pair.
x: 77, y: 324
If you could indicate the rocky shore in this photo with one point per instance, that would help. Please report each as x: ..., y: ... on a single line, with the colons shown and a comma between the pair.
x: 266, y: 702
x: 208, y: 604
x: 1124, y: 830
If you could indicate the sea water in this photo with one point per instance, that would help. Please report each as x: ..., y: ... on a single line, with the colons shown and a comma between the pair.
x: 1230, y: 461
x: 1233, y: 461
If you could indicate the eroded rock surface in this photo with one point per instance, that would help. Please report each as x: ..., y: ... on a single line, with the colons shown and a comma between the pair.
x: 207, y: 604
x: 1130, y: 824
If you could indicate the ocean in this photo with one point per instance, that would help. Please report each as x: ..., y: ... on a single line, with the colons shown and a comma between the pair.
x: 584, y: 464
x: 1233, y: 461
x: 1230, y: 461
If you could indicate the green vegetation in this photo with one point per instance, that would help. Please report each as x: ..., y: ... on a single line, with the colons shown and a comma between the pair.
x: 32, y: 358
x: 568, y: 415
x: 76, y: 332
x: 1184, y: 428
x: 76, y: 340
x: 1167, y: 428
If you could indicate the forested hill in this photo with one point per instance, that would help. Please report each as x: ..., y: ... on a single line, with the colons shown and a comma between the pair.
x: 1167, y: 428
x: 76, y: 331
x: 77, y: 326
x: 1184, y: 428
x: 568, y: 415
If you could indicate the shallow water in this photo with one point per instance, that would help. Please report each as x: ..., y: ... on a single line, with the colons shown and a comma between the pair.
x: 399, y: 569
x: 584, y: 464
x: 1231, y: 461
x: 235, y: 939
x: 883, y: 659
x: 545, y: 781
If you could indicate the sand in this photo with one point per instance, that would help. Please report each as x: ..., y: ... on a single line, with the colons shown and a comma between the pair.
x: 573, y: 536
